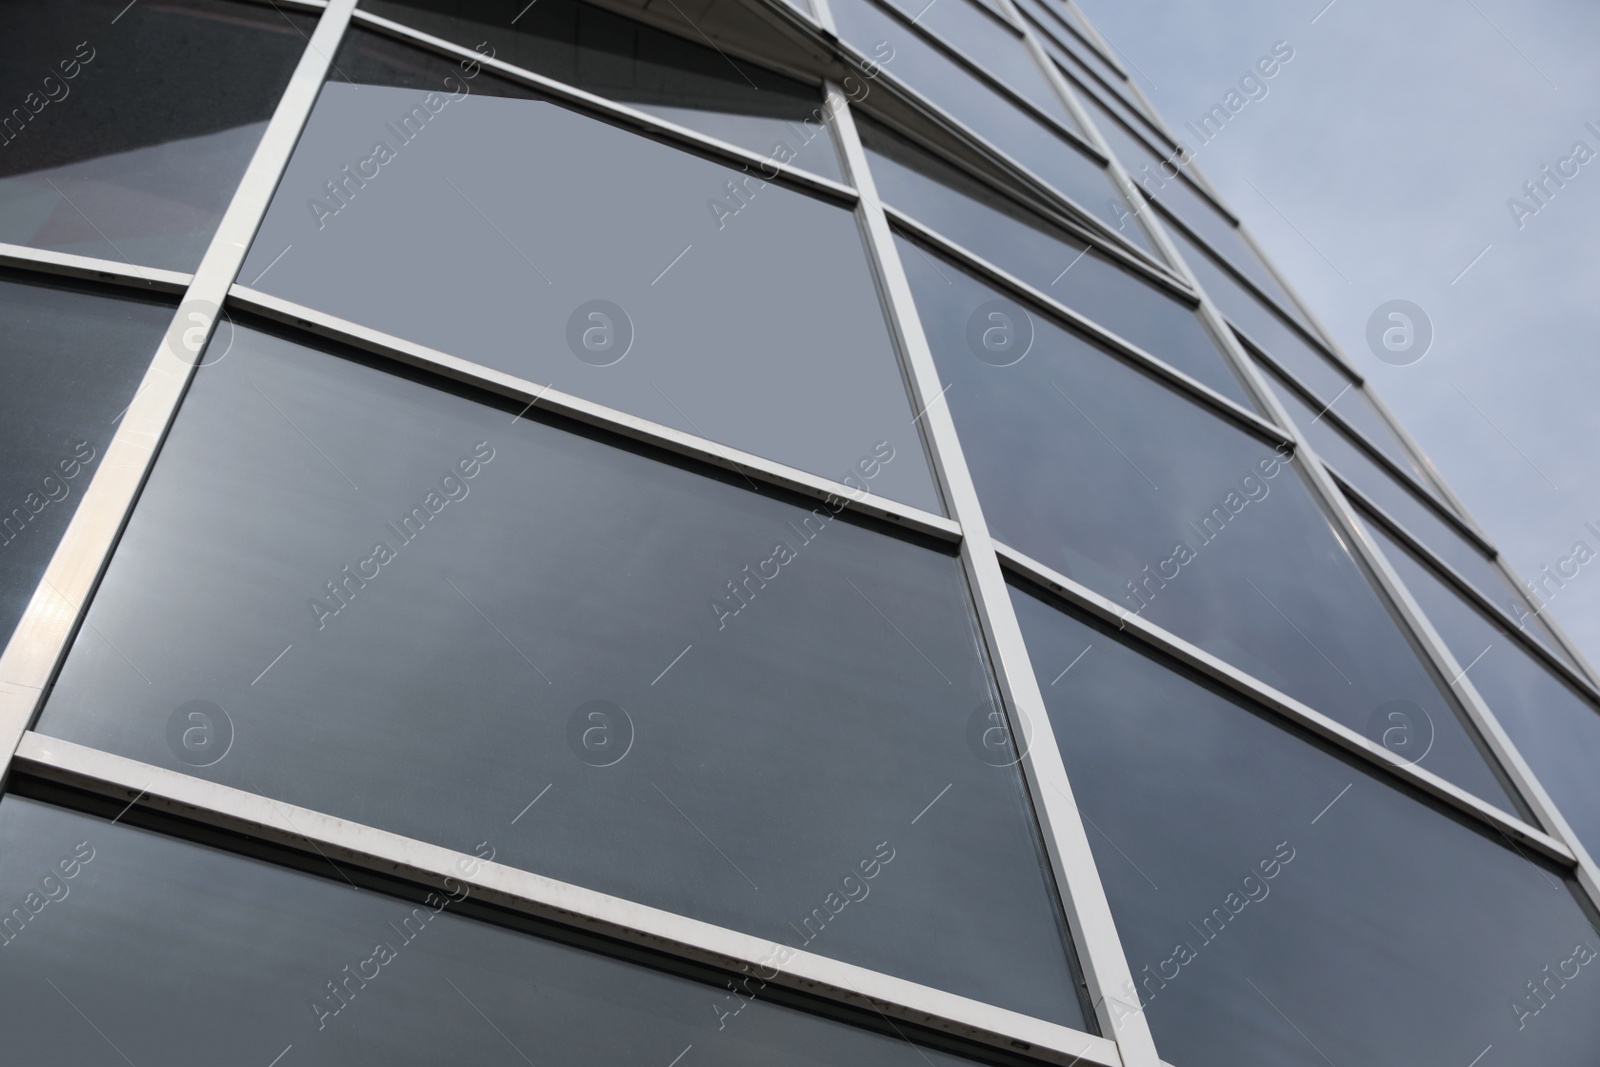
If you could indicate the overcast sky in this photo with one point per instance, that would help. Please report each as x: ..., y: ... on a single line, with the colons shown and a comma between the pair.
x: 1379, y: 167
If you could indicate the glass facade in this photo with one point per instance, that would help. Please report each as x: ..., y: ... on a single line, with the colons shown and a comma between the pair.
x: 770, y: 532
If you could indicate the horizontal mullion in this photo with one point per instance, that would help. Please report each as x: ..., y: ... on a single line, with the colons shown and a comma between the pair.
x: 367, y: 848
x: 1461, y: 585
x: 1170, y: 375
x: 588, y: 412
x: 601, y: 106
x: 68, y: 265
x: 1283, y: 706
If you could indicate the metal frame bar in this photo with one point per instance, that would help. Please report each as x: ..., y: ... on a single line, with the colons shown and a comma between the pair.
x: 522, y: 390
x: 1104, y: 966
x: 342, y: 842
x: 52, y: 616
x: 67, y: 265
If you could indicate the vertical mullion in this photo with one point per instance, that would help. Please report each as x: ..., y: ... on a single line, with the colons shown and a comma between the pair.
x: 1081, y: 893
x: 1502, y: 748
x: 58, y: 603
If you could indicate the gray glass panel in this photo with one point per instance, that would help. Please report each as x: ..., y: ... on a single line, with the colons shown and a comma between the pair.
x: 413, y: 609
x: 1556, y: 730
x: 993, y: 46
x: 1281, y: 907
x: 682, y: 81
x: 125, y: 141
x: 524, y: 236
x: 1091, y: 467
x: 949, y: 85
x: 1397, y: 499
x: 1012, y: 237
x: 130, y: 946
x: 70, y: 361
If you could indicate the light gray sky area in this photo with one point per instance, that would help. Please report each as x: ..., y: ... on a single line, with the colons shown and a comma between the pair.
x: 1379, y: 167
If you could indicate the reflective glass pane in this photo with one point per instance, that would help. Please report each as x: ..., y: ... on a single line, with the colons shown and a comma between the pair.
x: 949, y: 85
x: 656, y: 683
x: 1556, y: 730
x: 981, y: 220
x: 70, y: 362
x: 521, y: 235
x: 1280, y: 905
x: 682, y: 81
x: 1093, y: 468
x: 129, y: 126
x: 1397, y: 499
x: 990, y: 43
x: 164, y: 951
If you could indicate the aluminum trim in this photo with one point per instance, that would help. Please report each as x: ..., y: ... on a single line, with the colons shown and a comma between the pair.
x: 1107, y: 976
x: 67, y: 265
x: 368, y: 848
x: 589, y: 412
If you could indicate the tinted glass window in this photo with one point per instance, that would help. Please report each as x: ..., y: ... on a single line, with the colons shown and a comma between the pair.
x: 1092, y: 468
x: 164, y: 951
x: 1556, y: 730
x: 1277, y: 903
x: 128, y: 130
x: 519, y: 234
x: 993, y: 46
x: 679, y: 80
x: 1014, y: 238
x: 70, y: 362
x: 987, y: 113
x: 635, y: 678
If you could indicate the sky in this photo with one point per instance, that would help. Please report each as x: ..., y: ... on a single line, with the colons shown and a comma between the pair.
x: 1378, y: 167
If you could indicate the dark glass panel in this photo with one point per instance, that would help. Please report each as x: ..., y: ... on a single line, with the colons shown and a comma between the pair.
x: 993, y: 45
x: 1093, y: 468
x: 522, y: 235
x: 988, y: 114
x: 158, y: 950
x: 70, y: 362
x: 1012, y: 237
x: 1281, y: 906
x: 1556, y: 730
x: 733, y: 700
x: 130, y: 125
x: 610, y: 55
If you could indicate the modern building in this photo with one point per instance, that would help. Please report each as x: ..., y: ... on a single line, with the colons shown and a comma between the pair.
x: 726, y: 532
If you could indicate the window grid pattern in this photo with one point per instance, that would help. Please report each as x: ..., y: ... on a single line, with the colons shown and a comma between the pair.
x: 35, y: 650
